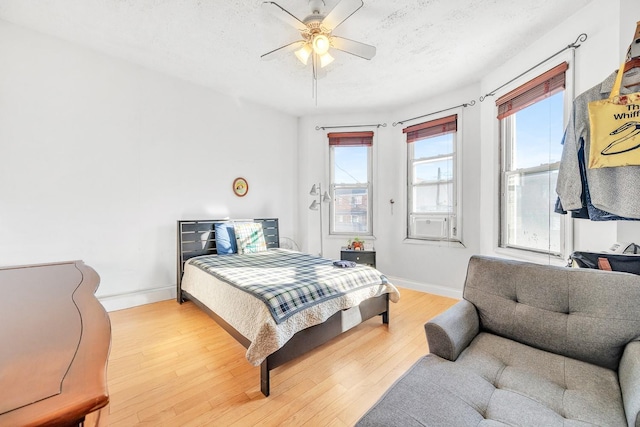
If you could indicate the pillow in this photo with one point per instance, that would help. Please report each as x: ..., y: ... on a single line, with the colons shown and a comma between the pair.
x: 225, y: 238
x: 250, y: 237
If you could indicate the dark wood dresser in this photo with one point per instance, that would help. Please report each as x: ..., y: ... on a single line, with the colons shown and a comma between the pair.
x: 54, y: 345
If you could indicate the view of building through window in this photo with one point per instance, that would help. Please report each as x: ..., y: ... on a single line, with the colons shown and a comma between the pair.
x: 431, y: 176
x: 350, y: 188
x: 351, y: 210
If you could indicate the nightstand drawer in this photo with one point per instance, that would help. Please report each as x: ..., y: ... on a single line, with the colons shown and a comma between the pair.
x: 360, y: 257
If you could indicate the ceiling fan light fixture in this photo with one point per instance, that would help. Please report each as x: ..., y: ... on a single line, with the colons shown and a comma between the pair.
x: 325, y: 60
x: 303, y: 53
x: 316, y: 33
x: 321, y: 44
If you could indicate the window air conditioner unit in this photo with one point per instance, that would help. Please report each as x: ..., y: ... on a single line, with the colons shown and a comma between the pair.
x: 431, y: 227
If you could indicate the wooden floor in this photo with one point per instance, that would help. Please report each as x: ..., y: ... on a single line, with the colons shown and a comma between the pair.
x: 171, y: 365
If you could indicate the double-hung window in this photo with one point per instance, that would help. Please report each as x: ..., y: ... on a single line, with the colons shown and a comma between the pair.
x: 351, y: 201
x: 433, y: 176
x: 531, y: 126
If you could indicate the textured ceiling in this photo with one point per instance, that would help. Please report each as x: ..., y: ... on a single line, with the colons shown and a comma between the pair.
x: 424, y: 47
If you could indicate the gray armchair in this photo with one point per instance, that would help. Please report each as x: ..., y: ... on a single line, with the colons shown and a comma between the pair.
x: 529, y: 345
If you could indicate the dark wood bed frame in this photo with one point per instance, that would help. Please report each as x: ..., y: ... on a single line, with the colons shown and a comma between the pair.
x: 197, y: 237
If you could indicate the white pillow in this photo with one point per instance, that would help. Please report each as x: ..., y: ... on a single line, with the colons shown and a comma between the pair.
x: 250, y: 237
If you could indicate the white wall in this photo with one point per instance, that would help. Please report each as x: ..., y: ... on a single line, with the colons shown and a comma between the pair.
x: 433, y: 267
x: 610, y: 26
x: 99, y: 158
x: 441, y: 268
x: 314, y: 161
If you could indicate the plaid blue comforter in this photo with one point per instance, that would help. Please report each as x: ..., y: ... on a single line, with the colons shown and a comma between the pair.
x: 288, y: 281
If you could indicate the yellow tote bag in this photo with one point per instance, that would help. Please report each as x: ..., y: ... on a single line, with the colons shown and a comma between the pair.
x: 615, y: 129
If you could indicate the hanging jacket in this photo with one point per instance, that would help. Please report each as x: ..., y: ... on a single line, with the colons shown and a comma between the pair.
x: 614, y: 190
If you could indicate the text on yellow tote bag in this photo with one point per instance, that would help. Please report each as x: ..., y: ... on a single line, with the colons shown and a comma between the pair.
x: 615, y: 128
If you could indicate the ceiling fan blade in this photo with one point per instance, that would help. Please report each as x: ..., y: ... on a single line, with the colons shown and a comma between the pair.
x: 353, y: 47
x: 341, y: 12
x: 284, y: 15
x: 287, y: 47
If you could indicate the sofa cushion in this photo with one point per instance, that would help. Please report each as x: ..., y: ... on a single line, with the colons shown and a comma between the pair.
x: 589, y: 315
x: 497, y: 382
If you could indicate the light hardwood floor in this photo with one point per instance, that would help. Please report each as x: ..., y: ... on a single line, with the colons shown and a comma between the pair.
x: 172, y: 365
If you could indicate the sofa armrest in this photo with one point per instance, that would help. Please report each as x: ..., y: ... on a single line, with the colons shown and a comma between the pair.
x: 451, y: 332
x: 629, y: 377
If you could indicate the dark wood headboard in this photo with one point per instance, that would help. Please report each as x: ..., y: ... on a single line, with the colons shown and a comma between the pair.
x: 198, y: 237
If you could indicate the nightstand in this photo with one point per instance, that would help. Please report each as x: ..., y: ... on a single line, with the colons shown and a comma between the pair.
x: 360, y: 257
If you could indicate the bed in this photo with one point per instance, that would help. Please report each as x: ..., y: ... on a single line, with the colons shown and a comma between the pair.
x: 272, y: 336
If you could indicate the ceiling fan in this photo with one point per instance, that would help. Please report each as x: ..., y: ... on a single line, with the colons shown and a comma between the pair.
x: 316, y: 31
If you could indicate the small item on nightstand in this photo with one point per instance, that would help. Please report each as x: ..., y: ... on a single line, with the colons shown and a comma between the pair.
x: 357, y: 244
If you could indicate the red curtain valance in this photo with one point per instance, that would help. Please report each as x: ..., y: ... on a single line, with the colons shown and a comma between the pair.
x: 351, y: 138
x: 432, y: 128
x: 543, y: 86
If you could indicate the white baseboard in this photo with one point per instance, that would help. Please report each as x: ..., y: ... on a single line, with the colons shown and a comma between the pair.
x: 148, y: 296
x: 426, y: 287
x: 133, y: 299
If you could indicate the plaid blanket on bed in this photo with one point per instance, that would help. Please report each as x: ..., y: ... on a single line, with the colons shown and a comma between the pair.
x: 288, y: 281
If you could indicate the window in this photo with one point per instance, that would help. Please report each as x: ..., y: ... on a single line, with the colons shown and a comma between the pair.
x: 432, y: 194
x: 531, y: 128
x: 350, y: 157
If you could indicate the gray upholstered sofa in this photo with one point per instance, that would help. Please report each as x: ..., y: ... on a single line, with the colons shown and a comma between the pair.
x: 529, y: 345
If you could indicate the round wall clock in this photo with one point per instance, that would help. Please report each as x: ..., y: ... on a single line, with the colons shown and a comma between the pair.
x: 240, y: 187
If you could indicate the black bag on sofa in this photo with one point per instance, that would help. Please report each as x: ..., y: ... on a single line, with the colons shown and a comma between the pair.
x: 606, y: 261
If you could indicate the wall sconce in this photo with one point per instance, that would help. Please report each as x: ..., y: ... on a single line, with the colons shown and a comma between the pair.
x: 316, y: 205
